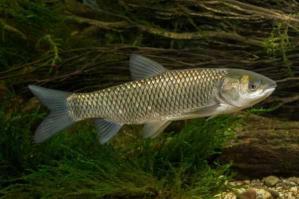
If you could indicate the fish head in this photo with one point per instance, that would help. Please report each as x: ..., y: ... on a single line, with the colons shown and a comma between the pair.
x: 242, y: 88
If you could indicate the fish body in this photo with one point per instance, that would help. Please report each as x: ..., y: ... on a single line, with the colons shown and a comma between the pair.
x: 166, y: 96
x: 156, y: 97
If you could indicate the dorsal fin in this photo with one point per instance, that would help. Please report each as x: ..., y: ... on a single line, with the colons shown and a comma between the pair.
x: 142, y: 67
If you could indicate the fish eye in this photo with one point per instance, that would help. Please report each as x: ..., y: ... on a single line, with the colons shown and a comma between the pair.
x: 252, y: 86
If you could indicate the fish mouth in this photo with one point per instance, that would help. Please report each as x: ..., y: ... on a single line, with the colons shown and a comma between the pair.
x: 266, y: 93
x: 271, y: 86
x: 270, y: 90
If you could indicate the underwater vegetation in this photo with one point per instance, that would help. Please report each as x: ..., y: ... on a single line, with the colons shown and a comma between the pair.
x: 73, y: 164
x: 84, y: 45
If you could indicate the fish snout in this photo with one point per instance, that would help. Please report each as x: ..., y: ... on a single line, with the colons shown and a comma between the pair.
x: 270, y: 85
x: 270, y: 88
x: 273, y: 84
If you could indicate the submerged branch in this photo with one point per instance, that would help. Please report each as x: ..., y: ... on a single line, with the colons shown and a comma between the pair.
x: 99, y: 24
x: 260, y: 11
x: 287, y: 79
x: 117, y: 26
x: 237, y: 8
x: 12, y: 29
x: 201, y: 35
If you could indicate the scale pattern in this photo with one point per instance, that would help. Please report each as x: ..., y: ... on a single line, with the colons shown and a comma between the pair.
x: 157, y: 98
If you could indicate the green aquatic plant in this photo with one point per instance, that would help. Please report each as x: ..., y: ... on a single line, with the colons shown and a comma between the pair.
x: 31, y: 29
x: 278, y: 44
x: 73, y: 163
x: 22, y: 23
x: 54, y: 46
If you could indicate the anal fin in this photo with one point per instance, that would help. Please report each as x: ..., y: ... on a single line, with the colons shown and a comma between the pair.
x: 153, y: 129
x: 106, y: 129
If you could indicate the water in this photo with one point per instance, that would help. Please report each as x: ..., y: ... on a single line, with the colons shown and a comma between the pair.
x: 77, y: 47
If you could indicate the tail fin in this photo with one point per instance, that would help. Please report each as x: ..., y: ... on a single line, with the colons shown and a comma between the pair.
x: 58, y: 118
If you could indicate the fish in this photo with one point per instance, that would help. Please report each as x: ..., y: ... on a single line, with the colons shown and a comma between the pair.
x: 156, y: 97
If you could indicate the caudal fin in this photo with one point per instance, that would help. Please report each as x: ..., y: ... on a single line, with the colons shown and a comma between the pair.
x: 58, y: 118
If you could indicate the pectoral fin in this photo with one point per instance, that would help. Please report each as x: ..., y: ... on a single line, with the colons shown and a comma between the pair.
x: 211, y: 117
x: 224, y: 109
x: 153, y: 129
x: 197, y: 112
x: 142, y: 67
x: 106, y: 129
x: 203, y: 111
